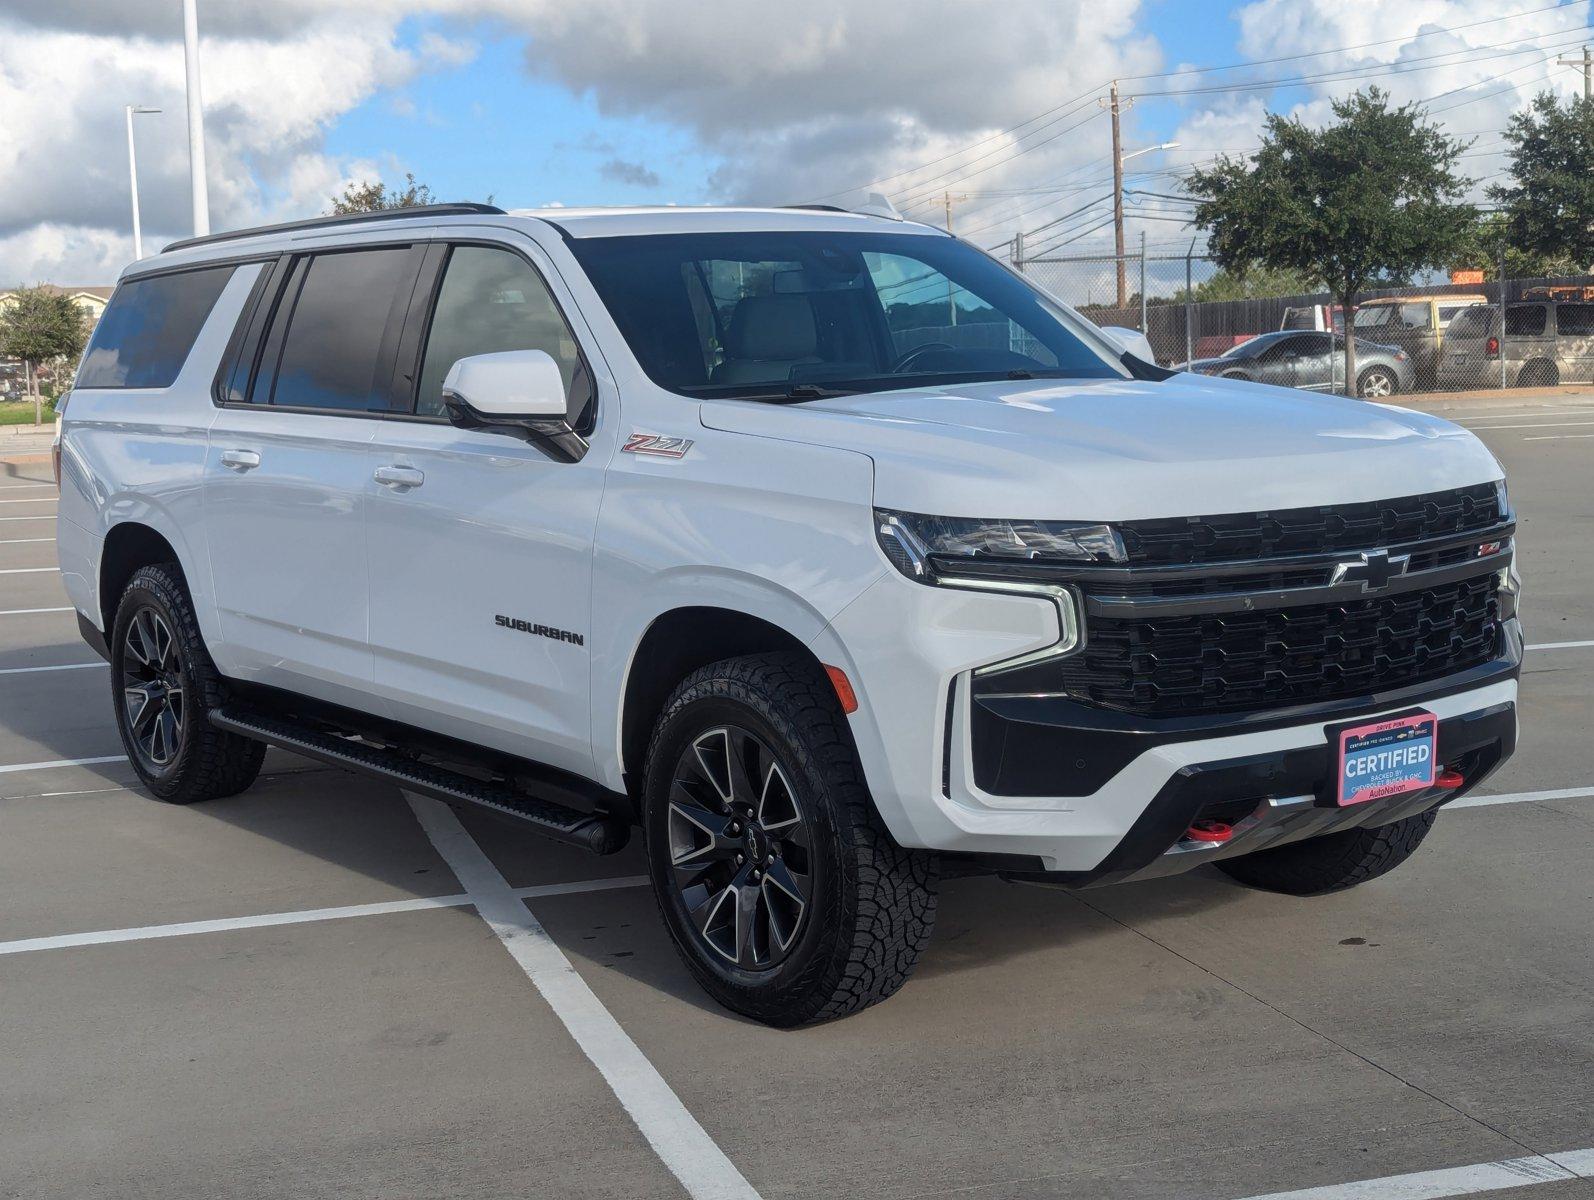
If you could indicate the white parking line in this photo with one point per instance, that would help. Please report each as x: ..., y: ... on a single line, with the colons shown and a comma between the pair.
x: 26, y: 612
x: 144, y: 933
x: 1521, y: 798
x: 1558, y: 437
x: 1561, y: 645
x: 40, y: 500
x: 20, y: 541
x: 18, y: 768
x: 680, y: 1142
x: 65, y: 667
x: 51, y: 517
x: 1455, y: 1181
x: 20, y: 487
x: 31, y: 571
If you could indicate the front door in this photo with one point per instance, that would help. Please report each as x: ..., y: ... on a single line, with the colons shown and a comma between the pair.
x: 480, y: 544
x: 287, y: 471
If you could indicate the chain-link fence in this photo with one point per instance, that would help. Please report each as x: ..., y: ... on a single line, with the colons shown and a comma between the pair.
x: 1444, y: 337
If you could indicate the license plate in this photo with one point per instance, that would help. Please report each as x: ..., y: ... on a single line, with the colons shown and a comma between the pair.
x: 1386, y: 758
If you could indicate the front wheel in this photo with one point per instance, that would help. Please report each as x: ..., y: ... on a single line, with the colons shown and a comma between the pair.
x: 1377, y: 383
x: 783, y: 892
x: 1334, y: 861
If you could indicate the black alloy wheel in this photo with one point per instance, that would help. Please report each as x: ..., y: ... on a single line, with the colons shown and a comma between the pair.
x: 740, y: 848
x: 153, y: 693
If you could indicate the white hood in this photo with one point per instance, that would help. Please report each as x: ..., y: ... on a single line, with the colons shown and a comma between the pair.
x: 1120, y: 450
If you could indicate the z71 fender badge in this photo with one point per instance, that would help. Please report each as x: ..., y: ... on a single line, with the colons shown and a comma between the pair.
x: 656, y: 444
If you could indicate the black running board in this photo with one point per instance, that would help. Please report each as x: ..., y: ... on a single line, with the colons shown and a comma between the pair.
x: 597, y: 832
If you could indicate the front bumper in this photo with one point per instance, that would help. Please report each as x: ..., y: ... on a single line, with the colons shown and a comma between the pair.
x: 909, y: 651
x: 1280, y: 797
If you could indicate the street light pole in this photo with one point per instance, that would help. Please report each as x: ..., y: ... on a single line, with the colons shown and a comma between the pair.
x: 196, y: 120
x: 133, y: 110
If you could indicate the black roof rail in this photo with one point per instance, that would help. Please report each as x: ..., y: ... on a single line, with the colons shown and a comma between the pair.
x: 385, y: 214
x: 819, y: 207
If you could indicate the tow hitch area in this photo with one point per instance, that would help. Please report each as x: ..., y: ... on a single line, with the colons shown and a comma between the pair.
x: 1449, y: 780
x: 1214, y: 832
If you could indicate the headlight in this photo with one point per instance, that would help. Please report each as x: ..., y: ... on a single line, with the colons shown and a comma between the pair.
x: 1502, y: 499
x: 910, y: 539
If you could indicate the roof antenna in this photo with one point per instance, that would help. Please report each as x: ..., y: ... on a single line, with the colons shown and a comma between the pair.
x: 878, y: 205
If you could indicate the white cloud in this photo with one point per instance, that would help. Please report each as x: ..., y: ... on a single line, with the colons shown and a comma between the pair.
x: 269, y: 102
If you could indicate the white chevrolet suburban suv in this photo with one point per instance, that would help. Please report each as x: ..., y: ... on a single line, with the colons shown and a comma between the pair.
x: 819, y: 545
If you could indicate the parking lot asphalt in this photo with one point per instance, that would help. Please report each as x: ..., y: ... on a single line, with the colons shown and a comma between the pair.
x: 294, y: 992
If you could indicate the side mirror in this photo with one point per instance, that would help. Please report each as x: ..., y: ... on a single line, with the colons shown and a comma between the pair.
x: 518, y: 393
x: 1131, y: 341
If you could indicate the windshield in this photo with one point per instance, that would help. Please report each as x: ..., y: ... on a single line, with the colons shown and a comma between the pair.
x: 795, y: 316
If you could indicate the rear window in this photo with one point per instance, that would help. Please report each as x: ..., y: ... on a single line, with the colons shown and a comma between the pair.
x: 149, y: 327
x: 1575, y: 320
x: 1476, y: 321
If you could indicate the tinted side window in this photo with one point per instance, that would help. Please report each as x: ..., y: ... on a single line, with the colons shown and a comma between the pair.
x: 1524, y: 320
x: 149, y: 327
x: 490, y: 301
x: 337, y: 321
x: 1575, y: 320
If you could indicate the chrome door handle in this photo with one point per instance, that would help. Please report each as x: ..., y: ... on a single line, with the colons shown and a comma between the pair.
x: 240, y: 460
x: 399, y: 477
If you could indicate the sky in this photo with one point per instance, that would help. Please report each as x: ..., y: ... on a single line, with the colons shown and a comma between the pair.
x: 542, y: 102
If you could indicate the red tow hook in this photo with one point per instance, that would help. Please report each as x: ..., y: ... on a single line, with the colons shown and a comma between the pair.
x: 1209, y: 831
x: 1449, y: 780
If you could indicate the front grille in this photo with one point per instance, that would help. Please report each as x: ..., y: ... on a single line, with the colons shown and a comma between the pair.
x: 1177, y: 666
x: 1364, y: 526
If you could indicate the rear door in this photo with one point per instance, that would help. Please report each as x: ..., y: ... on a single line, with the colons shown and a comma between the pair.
x: 481, y: 544
x: 289, y: 463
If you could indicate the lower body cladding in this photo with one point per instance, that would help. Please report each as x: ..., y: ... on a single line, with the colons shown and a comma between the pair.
x: 1048, y: 789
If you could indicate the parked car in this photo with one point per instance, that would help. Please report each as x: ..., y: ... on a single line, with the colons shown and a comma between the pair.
x: 1545, y: 344
x: 682, y: 519
x: 1416, y: 324
x: 1309, y: 361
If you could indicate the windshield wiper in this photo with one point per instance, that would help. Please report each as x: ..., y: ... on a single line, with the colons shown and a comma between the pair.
x: 797, y: 393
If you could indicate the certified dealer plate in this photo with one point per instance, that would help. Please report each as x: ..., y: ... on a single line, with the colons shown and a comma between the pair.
x: 1386, y: 758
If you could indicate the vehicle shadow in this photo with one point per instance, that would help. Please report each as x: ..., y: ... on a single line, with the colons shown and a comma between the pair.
x: 366, y: 827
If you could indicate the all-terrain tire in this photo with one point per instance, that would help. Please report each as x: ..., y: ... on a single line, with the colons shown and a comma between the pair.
x: 874, y: 902
x: 1333, y: 862
x: 208, y: 763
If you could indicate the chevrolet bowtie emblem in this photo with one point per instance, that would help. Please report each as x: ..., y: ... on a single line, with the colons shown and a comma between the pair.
x: 1373, y: 569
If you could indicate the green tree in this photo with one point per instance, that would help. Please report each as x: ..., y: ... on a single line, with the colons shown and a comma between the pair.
x: 1480, y: 250
x: 1373, y: 195
x: 369, y: 196
x: 41, y: 326
x: 1549, y: 203
x: 1253, y: 284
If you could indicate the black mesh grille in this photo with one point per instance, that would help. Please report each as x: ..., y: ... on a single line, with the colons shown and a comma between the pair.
x: 1372, y: 525
x: 1177, y: 666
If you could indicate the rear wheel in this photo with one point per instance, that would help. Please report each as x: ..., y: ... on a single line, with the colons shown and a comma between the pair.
x: 783, y: 892
x: 163, y: 683
x: 1538, y: 374
x: 1376, y: 383
x: 1333, y: 862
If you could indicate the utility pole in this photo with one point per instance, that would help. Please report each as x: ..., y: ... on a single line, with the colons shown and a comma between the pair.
x: 1587, y: 63
x: 947, y: 200
x: 196, y: 120
x: 1118, y: 195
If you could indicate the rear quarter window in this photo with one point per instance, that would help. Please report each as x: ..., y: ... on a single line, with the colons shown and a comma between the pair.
x: 149, y: 327
x: 1525, y: 320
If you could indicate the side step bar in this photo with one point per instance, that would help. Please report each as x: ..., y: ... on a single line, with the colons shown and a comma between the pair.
x: 596, y: 832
